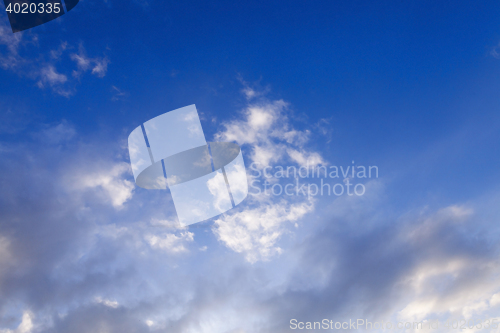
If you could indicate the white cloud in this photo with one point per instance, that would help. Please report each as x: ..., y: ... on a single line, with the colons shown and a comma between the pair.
x: 170, y: 242
x: 495, y: 299
x: 26, y: 325
x: 255, y: 232
x: 306, y: 159
x: 265, y: 127
x: 11, y: 60
x: 218, y: 188
x: 167, y: 223
x: 255, y: 127
x: 249, y: 92
x: 107, y: 302
x: 109, y: 180
x: 57, y: 53
x: 98, y: 65
x: 118, y: 94
x: 447, y: 281
x: 266, y: 155
x: 112, y: 181
x: 18, y: 58
x: 446, y: 287
x: 50, y: 75
x: 82, y: 62
x: 267, y: 132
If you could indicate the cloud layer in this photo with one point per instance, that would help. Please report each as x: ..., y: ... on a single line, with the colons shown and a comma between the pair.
x: 20, y: 53
x: 83, y: 250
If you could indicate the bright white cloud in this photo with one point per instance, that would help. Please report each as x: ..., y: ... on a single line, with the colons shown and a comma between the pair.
x: 266, y: 131
x: 112, y: 181
x: 255, y: 232
x: 26, y: 325
x: 306, y: 159
x: 49, y: 76
x: 109, y: 180
x: 170, y: 242
x: 256, y: 125
x: 447, y: 282
x: 266, y: 128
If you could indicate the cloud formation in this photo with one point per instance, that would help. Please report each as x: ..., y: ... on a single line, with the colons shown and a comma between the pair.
x: 268, y: 138
x: 20, y: 53
x: 82, y: 250
x: 98, y: 66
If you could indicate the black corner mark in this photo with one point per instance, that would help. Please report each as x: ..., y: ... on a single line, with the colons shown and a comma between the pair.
x: 26, y: 14
x: 70, y: 4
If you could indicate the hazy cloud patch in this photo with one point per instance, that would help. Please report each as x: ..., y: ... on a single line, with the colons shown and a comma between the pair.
x: 20, y: 53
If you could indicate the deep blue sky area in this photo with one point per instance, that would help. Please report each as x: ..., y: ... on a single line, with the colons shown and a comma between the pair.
x: 393, y: 79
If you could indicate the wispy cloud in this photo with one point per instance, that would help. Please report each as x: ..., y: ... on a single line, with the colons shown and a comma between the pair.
x: 49, y: 76
x: 495, y: 51
x: 265, y: 130
x: 118, y: 94
x: 10, y: 59
x: 255, y: 232
x: 98, y: 65
x: 170, y: 242
x: 21, y: 55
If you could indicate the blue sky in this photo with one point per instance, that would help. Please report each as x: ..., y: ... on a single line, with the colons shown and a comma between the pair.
x: 411, y: 87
